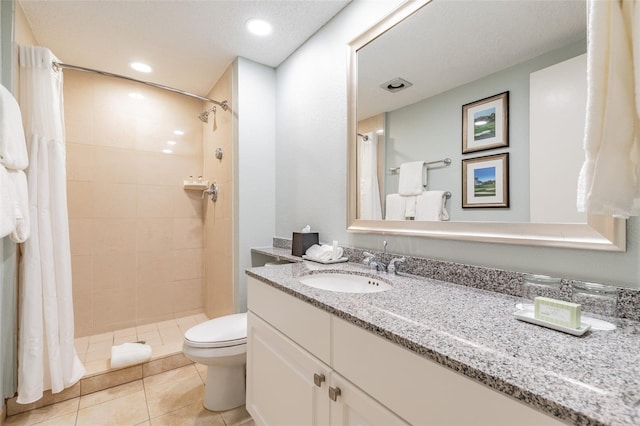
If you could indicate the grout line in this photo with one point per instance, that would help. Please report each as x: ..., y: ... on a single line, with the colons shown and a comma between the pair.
x: 146, y: 400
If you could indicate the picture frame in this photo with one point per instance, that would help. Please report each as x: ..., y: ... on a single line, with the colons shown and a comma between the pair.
x: 485, y: 123
x: 485, y: 181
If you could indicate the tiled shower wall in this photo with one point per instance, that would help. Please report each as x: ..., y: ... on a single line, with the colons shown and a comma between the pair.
x: 136, y: 235
x: 218, y: 133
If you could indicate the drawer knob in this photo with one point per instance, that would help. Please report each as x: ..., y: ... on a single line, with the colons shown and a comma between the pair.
x: 318, y: 379
x: 334, y: 393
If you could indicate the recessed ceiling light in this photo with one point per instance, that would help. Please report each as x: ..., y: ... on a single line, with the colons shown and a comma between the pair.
x: 178, y: 132
x: 171, y: 142
x: 139, y: 66
x: 396, y: 85
x: 136, y: 95
x: 258, y: 27
x: 167, y: 151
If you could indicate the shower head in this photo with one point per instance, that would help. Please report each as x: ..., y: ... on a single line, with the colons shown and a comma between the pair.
x: 204, y: 116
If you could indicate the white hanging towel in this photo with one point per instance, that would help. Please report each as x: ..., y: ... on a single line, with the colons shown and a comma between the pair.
x: 411, y: 175
x: 410, y: 206
x: 430, y: 206
x: 13, y: 148
x: 395, y: 207
x: 609, y: 181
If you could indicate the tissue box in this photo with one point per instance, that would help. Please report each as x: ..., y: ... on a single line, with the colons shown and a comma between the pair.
x: 302, y: 241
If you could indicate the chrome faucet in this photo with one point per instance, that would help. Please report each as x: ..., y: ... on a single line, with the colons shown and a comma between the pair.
x: 373, y: 262
x: 391, y: 268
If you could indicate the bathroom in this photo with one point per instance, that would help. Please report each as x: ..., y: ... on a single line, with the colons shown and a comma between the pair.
x: 277, y: 153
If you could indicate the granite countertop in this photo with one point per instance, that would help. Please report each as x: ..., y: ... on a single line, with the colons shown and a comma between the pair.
x: 277, y: 253
x: 592, y: 379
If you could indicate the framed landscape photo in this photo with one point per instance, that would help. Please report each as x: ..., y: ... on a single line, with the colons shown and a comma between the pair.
x: 485, y: 123
x: 485, y: 181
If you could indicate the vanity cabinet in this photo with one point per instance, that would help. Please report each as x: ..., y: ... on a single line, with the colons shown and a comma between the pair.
x: 298, y: 356
x: 280, y: 379
x: 286, y: 385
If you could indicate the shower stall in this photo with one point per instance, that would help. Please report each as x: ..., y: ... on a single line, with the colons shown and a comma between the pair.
x: 137, y: 237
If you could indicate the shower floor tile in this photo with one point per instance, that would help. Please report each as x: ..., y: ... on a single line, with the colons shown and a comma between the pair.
x: 165, y: 338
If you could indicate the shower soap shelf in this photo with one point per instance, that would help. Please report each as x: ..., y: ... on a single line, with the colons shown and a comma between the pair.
x: 199, y: 185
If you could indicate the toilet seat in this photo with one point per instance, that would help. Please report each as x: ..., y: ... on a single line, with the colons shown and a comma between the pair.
x: 227, y: 331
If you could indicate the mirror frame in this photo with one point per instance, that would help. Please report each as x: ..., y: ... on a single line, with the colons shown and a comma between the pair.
x: 599, y: 233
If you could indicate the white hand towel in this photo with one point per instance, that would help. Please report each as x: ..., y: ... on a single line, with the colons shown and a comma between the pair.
x: 410, y: 206
x: 13, y: 148
x: 411, y: 175
x: 395, y: 207
x: 22, y: 229
x: 430, y: 206
x: 128, y: 354
x: 323, y: 252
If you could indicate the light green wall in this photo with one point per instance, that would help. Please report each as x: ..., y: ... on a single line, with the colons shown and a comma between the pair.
x: 431, y: 130
x: 311, y: 160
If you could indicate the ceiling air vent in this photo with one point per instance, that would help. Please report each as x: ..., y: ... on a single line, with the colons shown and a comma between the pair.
x: 396, y: 85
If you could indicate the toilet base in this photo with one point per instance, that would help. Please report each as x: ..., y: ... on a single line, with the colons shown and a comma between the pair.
x: 224, y: 388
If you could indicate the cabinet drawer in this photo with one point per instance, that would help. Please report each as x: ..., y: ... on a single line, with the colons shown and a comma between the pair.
x: 308, y: 326
x: 419, y: 390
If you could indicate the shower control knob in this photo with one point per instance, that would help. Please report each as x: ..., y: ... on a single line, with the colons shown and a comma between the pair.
x: 219, y: 153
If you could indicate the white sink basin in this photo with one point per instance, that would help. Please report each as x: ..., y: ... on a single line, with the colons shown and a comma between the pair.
x: 345, y: 283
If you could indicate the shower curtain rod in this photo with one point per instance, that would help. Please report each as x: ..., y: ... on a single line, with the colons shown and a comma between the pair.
x: 58, y: 65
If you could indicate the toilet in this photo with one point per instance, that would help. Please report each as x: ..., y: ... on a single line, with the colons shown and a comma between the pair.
x: 221, y: 345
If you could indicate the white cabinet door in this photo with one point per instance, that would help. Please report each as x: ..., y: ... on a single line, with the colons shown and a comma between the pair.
x: 280, y: 379
x: 354, y: 407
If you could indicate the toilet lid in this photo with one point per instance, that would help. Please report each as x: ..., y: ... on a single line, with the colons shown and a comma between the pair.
x: 230, y: 330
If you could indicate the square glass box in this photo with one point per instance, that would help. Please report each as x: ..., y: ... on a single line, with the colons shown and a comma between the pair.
x: 538, y: 285
x: 597, y: 300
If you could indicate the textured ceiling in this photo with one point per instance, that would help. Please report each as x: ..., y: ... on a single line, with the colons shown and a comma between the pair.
x: 188, y: 43
x: 452, y: 42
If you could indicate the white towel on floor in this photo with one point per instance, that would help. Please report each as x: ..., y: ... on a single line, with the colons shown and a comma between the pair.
x: 430, y: 206
x: 13, y: 148
x: 395, y: 207
x: 128, y: 354
x: 411, y: 178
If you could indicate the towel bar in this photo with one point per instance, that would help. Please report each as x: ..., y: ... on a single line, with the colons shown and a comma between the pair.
x: 446, y: 161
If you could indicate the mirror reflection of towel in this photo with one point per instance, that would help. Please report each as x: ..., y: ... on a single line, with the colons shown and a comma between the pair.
x: 395, y: 207
x: 411, y: 175
x: 430, y: 206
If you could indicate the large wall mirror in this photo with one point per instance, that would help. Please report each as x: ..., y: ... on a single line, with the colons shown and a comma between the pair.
x: 489, y: 97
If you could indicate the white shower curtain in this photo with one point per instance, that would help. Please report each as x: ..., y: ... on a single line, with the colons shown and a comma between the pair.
x: 370, y: 207
x: 46, y: 352
x: 609, y: 181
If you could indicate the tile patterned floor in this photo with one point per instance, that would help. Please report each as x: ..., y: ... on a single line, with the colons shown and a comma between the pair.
x: 170, y: 398
x: 164, y: 337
